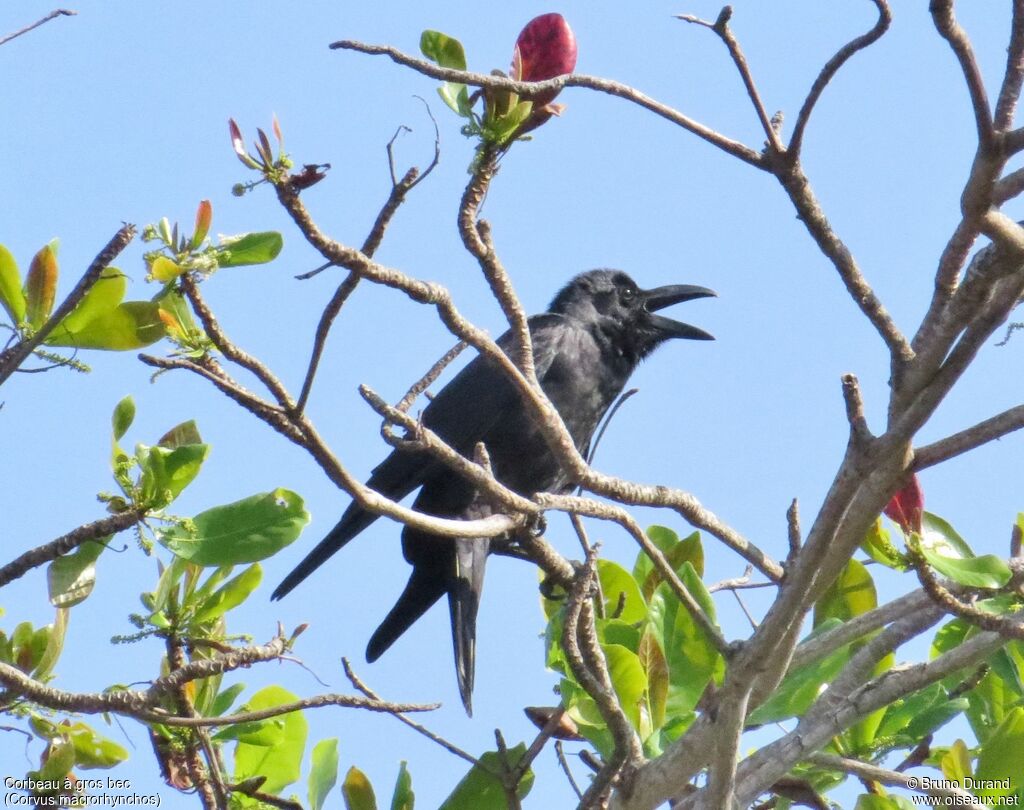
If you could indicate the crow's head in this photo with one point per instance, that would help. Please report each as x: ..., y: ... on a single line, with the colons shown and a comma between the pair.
x: 611, y: 302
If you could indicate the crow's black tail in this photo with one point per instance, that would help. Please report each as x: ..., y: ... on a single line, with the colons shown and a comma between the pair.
x: 463, y: 603
x: 352, y: 522
x: 425, y: 586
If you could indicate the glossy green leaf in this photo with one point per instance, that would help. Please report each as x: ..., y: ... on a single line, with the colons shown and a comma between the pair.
x: 105, y: 295
x: 583, y: 711
x: 166, y: 471
x: 59, y: 761
x: 628, y: 679
x: 934, y: 718
x: 323, y: 773
x: 54, y: 646
x: 801, y: 688
x: 165, y: 269
x: 230, y: 595
x: 691, y: 658
x: 622, y: 597
x: 937, y: 533
x: 676, y: 551
x: 1001, y: 759
x: 479, y: 790
x: 617, y: 631
x: 403, y: 798
x: 901, y: 712
x: 131, y: 325
x: 71, y: 578
x: 878, y: 545
x: 358, y: 791
x: 447, y: 52
x: 180, y: 435
x: 263, y: 733
x: 124, y: 415
x: 246, y: 531
x: 226, y: 699
x: 988, y: 571
x: 12, y: 297
x: 956, y: 762
x: 249, y: 248
x: 852, y: 594
x: 93, y: 750
x: 280, y: 763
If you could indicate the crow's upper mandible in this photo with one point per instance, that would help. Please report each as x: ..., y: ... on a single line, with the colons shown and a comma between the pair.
x: 595, y: 333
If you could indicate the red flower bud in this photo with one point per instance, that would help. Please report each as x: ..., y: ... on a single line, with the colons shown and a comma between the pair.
x: 546, y: 48
x: 907, y: 505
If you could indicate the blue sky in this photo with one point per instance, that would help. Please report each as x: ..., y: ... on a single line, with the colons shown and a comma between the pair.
x: 119, y: 114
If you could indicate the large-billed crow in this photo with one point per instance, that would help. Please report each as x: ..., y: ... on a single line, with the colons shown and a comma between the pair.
x: 595, y: 333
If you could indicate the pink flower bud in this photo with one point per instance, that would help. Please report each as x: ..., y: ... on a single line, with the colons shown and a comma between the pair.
x: 907, y: 506
x: 546, y: 48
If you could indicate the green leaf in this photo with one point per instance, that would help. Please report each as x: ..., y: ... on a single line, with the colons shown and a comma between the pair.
x: 448, y: 52
x: 59, y: 762
x: 164, y: 269
x: 166, y: 472
x: 246, y: 531
x: 124, y: 415
x: 93, y: 750
x: 41, y: 285
x: 443, y: 49
x: 182, y: 434
x: 691, y: 657
x: 879, y: 547
x: 502, y: 130
x: 11, y: 295
x: 54, y: 646
x: 403, y: 798
x: 249, y: 248
x: 280, y: 763
x: 226, y: 698
x: 102, y: 298
x: 988, y: 571
x: 852, y: 594
x: 1001, y: 760
x: 266, y: 733
x: 937, y: 533
x: 479, y: 790
x: 956, y: 762
x: 622, y: 597
x: 131, y: 325
x: 676, y: 551
x: 801, y: 688
x: 358, y: 791
x: 71, y: 578
x: 323, y: 773
x: 628, y: 679
x: 230, y: 595
x: 870, y: 801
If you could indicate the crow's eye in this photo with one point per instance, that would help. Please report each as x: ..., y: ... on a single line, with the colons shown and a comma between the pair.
x: 627, y: 295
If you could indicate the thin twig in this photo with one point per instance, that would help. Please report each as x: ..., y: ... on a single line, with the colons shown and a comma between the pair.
x: 65, y: 544
x: 988, y: 430
x: 60, y: 12
x: 831, y: 68
x: 358, y: 684
x: 531, y: 90
x: 721, y: 27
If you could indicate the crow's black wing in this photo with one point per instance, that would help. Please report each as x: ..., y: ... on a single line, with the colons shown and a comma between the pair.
x: 462, y: 413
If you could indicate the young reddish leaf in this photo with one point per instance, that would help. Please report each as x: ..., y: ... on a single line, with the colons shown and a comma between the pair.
x: 277, y: 132
x: 204, y: 214
x: 41, y: 286
x: 545, y: 48
x: 263, y: 147
x: 238, y: 144
x: 907, y: 505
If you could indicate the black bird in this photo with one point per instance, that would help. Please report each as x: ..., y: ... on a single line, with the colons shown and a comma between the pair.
x: 585, y: 347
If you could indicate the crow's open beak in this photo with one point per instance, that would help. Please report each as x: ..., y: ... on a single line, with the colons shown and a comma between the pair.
x: 661, y: 297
